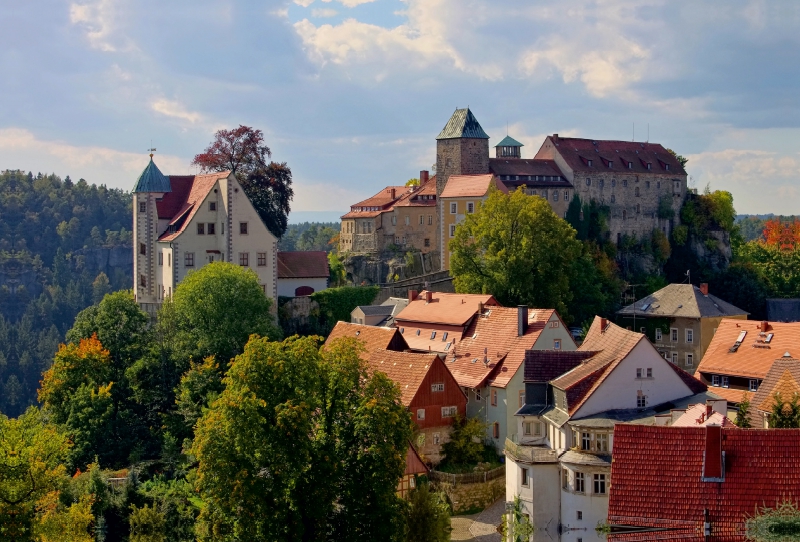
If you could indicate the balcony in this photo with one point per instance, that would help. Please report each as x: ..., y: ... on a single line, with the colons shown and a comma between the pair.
x: 530, y: 454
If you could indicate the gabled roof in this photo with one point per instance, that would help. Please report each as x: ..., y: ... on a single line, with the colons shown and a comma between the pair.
x: 471, y: 186
x: 414, y: 463
x: 180, y: 205
x: 444, y: 308
x: 509, y: 141
x: 371, y: 337
x: 546, y: 365
x: 303, y: 264
x: 406, y: 369
x: 657, y: 480
x: 784, y: 378
x: 754, y: 356
x: 462, y: 124
x: 576, y: 153
x: 494, y: 336
x: 152, y: 180
x: 694, y: 384
x: 377, y: 204
x: 525, y: 167
x: 681, y: 300
x: 699, y: 415
x: 376, y: 310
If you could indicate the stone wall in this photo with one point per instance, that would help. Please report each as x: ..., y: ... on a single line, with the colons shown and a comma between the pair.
x: 365, y: 242
x: 469, y: 497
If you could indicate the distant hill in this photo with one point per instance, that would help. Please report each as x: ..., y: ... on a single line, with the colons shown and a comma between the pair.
x: 751, y: 227
x: 310, y: 236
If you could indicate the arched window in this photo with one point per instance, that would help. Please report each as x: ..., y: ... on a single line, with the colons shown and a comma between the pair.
x: 303, y: 291
x: 636, y: 191
x: 624, y: 214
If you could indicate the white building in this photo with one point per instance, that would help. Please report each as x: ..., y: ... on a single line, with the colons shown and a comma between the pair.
x: 182, y: 222
x: 560, y: 465
x: 302, y: 273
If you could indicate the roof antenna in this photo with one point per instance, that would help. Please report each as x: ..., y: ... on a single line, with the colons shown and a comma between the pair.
x: 648, y: 132
x: 151, y: 150
x: 633, y: 136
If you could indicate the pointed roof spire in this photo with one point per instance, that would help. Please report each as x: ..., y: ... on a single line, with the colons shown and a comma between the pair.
x: 463, y: 124
x: 152, y: 180
x: 509, y: 141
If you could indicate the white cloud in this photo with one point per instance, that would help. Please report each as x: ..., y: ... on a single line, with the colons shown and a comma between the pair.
x: 175, y: 109
x: 354, y: 3
x: 304, y: 3
x: 328, y: 196
x: 21, y: 149
x: 323, y: 13
x: 98, y: 19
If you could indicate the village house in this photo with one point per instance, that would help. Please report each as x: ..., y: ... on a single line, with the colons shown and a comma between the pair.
x: 182, y: 222
x: 559, y: 461
x: 680, y: 320
x: 783, y: 379
x: 742, y: 352
x: 302, y: 273
x: 430, y: 393
x: 371, y: 338
x: 379, y: 315
x: 698, y: 484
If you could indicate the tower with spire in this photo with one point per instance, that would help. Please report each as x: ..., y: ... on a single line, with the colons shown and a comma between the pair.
x: 151, y: 187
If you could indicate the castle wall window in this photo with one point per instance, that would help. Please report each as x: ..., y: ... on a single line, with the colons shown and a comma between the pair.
x: 600, y: 484
x: 544, y: 194
x: 613, y: 183
x: 638, y: 208
x: 580, y: 483
x: 555, y: 195
x: 244, y: 259
x: 430, y: 220
x: 243, y: 228
x: 658, y: 184
x: 201, y: 228
x: 394, y: 221
x: 262, y: 259
x: 142, y: 281
x: 212, y: 228
x: 613, y: 198
x: 566, y: 195
x: 636, y: 192
x: 169, y: 259
x: 142, y: 207
x: 625, y: 183
x: 427, y: 242
x: 602, y: 183
x: 188, y: 259
x: 588, y: 181
x: 421, y: 220
x: 142, y: 249
x: 647, y: 184
x: 408, y: 220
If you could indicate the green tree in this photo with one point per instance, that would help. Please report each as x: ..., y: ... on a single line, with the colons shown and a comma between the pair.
x: 412, y: 182
x: 680, y: 158
x: 743, y: 413
x: 517, y: 249
x: 100, y: 287
x: 785, y: 414
x: 428, y: 518
x: 465, y: 446
x: 322, y: 455
x: 337, y: 270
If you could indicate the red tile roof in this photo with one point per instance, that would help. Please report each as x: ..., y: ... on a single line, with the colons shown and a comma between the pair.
x: 656, y: 480
x: 371, y: 337
x: 405, y: 369
x: 784, y: 378
x: 468, y: 186
x: 755, y: 356
x: 414, y: 464
x: 495, y: 334
x: 188, y: 192
x: 576, y: 153
x: 521, y: 166
x: 444, y: 308
x: 546, y: 365
x: 694, y: 384
x: 733, y: 396
x: 698, y: 415
x: 310, y: 264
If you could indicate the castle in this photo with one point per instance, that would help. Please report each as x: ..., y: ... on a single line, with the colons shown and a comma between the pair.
x: 641, y: 183
x: 182, y: 222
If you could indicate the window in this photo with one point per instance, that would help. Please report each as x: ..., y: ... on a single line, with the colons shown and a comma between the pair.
x: 188, y: 259
x: 433, y: 335
x: 638, y: 208
x: 589, y: 181
x: 674, y: 334
x: 613, y: 198
x: 142, y: 248
x: 470, y: 207
x: 521, y: 398
x: 439, y: 386
x: 641, y: 401
x: 262, y: 259
x: 647, y: 184
x: 421, y: 220
x: 430, y: 220
x: 753, y: 384
x: 564, y: 478
x: 437, y: 438
x: 448, y: 412
x: 477, y: 395
x: 602, y: 442
x: 602, y: 183
x: 243, y: 228
x: 408, y: 220
x: 625, y: 183
x: 715, y: 380
x: 555, y: 195
x: 427, y: 242
x: 566, y: 195
x: 212, y: 205
x: 689, y: 360
x: 636, y: 191
x: 169, y: 259
x: 394, y: 221
x: 452, y: 230
x: 638, y: 373
x: 649, y: 372
x: 212, y: 228
x: 421, y: 413
x: 244, y: 259
x: 580, y: 481
x: 556, y: 344
x: 453, y: 208
x: 201, y: 228
x: 527, y: 428
x: 725, y: 382
x: 649, y: 165
x: 493, y: 395
x: 524, y: 476
x: 142, y: 281
x: 600, y: 484
x: 142, y: 207
x: 544, y: 194
x: 578, y: 515
x: 586, y: 441
x: 689, y: 335
x: 160, y: 258
x: 496, y: 430
x: 658, y: 334
x: 675, y: 358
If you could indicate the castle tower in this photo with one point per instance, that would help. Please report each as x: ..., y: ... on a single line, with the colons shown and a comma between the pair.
x: 150, y: 187
x: 508, y: 148
x: 462, y: 148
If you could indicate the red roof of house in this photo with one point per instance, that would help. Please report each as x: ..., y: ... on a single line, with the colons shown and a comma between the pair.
x: 371, y: 337
x: 180, y: 205
x: 755, y: 355
x: 469, y: 186
x: 783, y: 378
x: 546, y: 365
x: 698, y: 415
x: 414, y: 464
x: 405, y: 369
x: 444, y: 308
x: 657, y: 480
x: 302, y: 265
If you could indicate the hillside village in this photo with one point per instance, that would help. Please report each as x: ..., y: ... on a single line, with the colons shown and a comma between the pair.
x: 566, y: 421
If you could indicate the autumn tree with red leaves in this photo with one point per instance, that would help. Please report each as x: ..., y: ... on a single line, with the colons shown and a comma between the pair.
x: 267, y: 184
x: 783, y: 234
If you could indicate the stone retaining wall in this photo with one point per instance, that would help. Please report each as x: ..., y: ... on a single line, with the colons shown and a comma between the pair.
x: 471, y: 497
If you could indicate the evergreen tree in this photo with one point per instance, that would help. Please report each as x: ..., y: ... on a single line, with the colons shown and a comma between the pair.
x: 743, y: 413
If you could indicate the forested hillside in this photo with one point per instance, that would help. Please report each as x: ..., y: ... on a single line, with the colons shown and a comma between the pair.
x: 63, y: 245
x: 310, y: 236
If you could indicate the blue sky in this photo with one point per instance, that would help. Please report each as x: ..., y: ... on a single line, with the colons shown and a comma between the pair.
x: 352, y: 93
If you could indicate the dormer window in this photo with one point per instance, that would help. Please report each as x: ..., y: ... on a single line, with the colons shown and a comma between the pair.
x: 666, y: 166
x: 630, y: 165
x: 589, y: 162
x: 649, y: 165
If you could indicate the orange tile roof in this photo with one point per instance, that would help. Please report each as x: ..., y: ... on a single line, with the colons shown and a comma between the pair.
x: 371, y: 337
x: 303, y: 264
x: 405, y: 369
x: 444, y: 308
x: 494, y: 336
x: 465, y: 186
x: 754, y: 357
x: 732, y: 395
x: 783, y: 377
x: 697, y: 415
x: 384, y: 197
x: 418, y: 337
x: 194, y: 192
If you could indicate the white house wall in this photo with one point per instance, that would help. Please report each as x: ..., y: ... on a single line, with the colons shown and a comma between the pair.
x: 287, y: 287
x: 540, y: 499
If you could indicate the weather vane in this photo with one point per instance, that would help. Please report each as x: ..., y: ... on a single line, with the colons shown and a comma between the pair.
x: 152, y: 149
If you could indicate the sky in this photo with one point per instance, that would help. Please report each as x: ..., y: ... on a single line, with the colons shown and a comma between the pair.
x: 352, y: 93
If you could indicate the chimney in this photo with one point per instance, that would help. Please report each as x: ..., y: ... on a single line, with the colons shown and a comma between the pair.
x: 428, y: 296
x: 555, y: 136
x: 717, y: 405
x: 412, y: 295
x: 423, y: 177
x: 603, y: 324
x: 392, y: 192
x: 522, y: 320
x: 704, y: 288
x: 764, y: 326
x: 713, y: 462
x: 480, y: 308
